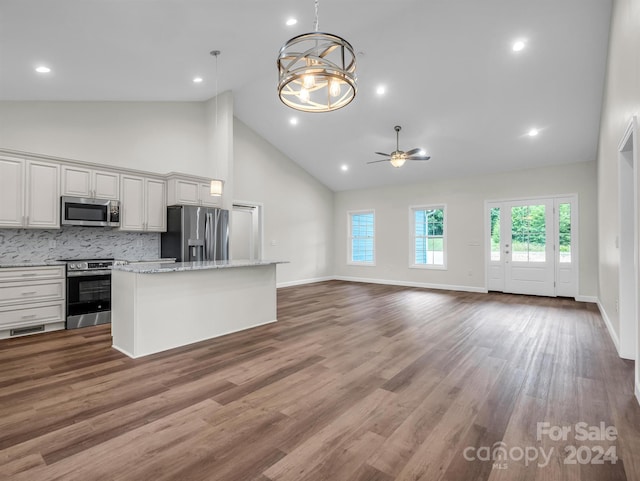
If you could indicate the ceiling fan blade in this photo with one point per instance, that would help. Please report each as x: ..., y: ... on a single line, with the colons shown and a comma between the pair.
x: 419, y: 157
x: 381, y: 153
x: 376, y: 161
x: 412, y: 151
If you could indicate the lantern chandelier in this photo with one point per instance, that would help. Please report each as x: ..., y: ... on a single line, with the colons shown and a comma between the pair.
x: 317, y: 71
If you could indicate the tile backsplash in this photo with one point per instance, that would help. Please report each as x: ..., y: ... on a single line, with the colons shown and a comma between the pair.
x: 74, y: 242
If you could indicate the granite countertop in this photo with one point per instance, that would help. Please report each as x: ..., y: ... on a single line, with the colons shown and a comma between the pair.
x: 7, y: 265
x: 154, y: 268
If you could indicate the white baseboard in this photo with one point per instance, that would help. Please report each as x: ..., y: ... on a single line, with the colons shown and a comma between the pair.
x: 304, y: 281
x: 446, y: 287
x: 607, y: 321
x: 592, y: 299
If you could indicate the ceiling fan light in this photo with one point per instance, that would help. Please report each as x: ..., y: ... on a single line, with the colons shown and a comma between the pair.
x: 398, y: 160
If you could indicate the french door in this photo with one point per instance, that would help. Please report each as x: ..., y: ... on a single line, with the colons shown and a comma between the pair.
x: 533, y: 246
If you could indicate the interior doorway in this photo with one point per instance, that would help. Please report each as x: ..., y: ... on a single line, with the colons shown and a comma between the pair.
x: 628, y: 245
x: 533, y: 246
x: 246, y: 240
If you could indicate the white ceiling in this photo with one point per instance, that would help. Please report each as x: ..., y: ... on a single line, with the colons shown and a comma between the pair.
x: 452, y: 80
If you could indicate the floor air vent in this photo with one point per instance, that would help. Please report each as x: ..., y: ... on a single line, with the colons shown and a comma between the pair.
x: 26, y: 330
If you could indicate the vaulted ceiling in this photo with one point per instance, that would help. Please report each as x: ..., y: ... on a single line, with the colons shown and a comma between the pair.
x: 452, y: 79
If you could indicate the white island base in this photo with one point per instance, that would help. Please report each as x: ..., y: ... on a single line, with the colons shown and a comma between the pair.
x: 163, y: 306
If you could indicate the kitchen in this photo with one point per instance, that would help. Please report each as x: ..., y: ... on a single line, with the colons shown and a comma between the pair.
x: 99, y: 233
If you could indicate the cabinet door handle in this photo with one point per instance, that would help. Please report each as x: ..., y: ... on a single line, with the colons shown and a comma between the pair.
x: 29, y: 274
x: 30, y: 316
x: 27, y: 220
x: 30, y: 293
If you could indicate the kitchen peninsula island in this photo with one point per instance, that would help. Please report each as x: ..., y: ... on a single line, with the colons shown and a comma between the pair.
x: 161, y: 306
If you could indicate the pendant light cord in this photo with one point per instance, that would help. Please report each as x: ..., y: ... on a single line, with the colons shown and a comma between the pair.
x: 316, y: 24
x: 217, y: 90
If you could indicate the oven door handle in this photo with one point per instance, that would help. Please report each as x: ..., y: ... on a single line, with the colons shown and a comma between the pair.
x: 101, y: 272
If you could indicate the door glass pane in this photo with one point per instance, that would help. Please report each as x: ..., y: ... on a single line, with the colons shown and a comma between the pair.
x: 528, y: 233
x: 495, y: 233
x: 564, y: 231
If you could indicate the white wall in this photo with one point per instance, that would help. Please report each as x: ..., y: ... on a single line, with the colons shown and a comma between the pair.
x: 152, y: 136
x: 621, y: 102
x: 298, y: 210
x: 464, y: 199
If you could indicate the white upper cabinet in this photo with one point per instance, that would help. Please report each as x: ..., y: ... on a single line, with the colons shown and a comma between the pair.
x: 184, y: 190
x: 83, y: 182
x: 43, y: 195
x: 12, y: 192
x: 144, y: 204
x: 29, y: 193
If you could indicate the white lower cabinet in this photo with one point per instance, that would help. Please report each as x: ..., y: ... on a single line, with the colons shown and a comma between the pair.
x: 32, y: 300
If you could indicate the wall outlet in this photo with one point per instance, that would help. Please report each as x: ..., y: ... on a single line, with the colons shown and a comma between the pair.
x: 52, y: 244
x: 139, y: 243
x: 617, y: 305
x: 470, y: 273
x: 274, y: 242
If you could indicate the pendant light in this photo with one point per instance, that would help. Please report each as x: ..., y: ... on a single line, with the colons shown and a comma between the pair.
x: 216, y: 185
x: 317, y: 71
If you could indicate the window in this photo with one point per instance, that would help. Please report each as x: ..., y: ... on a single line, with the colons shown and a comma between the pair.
x: 361, y: 238
x: 428, y: 234
x: 564, y: 231
x: 495, y: 233
x: 528, y: 233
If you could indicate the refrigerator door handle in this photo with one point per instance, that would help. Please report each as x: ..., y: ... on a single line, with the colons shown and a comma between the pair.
x: 216, y: 253
x: 207, y: 236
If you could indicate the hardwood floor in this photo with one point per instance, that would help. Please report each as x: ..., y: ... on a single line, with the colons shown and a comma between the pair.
x: 356, y: 382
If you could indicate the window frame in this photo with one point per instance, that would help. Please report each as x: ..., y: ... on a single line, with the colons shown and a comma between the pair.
x: 350, y: 260
x: 412, y: 237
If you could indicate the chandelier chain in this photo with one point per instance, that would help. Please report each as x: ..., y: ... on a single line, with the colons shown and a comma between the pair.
x: 316, y: 24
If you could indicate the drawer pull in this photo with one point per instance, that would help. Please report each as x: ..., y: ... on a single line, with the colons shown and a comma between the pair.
x: 30, y: 274
x: 30, y: 293
x: 30, y: 316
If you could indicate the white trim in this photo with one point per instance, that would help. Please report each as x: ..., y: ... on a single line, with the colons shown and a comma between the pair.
x: 304, y: 281
x: 638, y: 392
x: 424, y: 285
x: 628, y: 234
x: 592, y: 299
x: 607, y: 322
x: 349, y: 245
x: 412, y: 237
x: 260, y: 212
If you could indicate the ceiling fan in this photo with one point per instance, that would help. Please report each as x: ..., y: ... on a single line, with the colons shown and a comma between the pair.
x: 398, y: 157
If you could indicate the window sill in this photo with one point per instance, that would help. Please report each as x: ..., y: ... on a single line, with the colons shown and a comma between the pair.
x: 364, y: 264
x: 434, y: 267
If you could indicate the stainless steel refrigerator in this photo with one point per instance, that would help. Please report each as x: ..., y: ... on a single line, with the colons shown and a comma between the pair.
x: 196, y: 234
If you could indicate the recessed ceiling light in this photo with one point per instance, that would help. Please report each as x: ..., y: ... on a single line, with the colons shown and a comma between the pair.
x: 518, y: 45
x: 43, y: 69
x: 293, y: 121
x: 533, y: 132
x: 381, y: 90
x: 197, y: 80
x: 344, y: 167
x: 291, y: 21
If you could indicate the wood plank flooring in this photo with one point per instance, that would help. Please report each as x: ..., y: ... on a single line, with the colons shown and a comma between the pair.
x: 356, y: 382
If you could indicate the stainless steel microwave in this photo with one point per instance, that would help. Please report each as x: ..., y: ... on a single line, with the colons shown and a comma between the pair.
x: 90, y: 212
